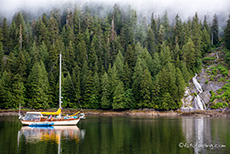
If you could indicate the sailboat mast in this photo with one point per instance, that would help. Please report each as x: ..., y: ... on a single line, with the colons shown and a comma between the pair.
x: 60, y: 84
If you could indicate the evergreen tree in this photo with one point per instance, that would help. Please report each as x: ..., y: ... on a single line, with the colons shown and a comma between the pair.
x: 94, y: 98
x: 38, y: 87
x: 206, y: 42
x: 119, y: 63
x: 215, y: 30
x: 145, y: 89
x: 127, y: 76
x: 205, y: 24
x: 5, y: 37
x: 76, y: 78
x: 177, y: 39
x: 118, y: 96
x: 155, y: 93
x: 156, y: 63
x: 180, y: 83
x: 129, y: 57
x: 18, y: 89
x: 21, y: 65
x: 113, y: 79
x: 105, y: 102
x: 1, y: 43
x: 53, y: 30
x: 88, y: 91
x: 227, y: 34
x: 150, y: 40
x: 189, y: 55
x: 5, y: 90
x: 137, y: 78
x: 154, y: 28
x: 185, y: 71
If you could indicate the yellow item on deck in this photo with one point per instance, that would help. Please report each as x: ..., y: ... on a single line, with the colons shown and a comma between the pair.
x: 74, y: 114
x: 52, y: 113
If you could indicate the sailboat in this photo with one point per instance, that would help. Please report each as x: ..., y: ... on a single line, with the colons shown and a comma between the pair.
x: 43, y: 119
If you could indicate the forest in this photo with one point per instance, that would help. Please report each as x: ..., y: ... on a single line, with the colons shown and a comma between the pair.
x: 114, y: 61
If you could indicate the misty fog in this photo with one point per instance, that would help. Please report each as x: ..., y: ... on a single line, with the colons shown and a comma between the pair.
x: 185, y: 8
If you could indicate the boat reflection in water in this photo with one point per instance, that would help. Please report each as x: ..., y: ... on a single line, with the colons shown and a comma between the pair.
x: 55, y: 134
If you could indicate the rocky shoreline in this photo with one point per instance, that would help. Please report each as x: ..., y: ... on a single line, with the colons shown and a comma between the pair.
x: 134, y: 113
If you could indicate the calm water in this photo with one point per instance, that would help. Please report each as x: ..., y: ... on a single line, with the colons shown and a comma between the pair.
x: 114, y: 135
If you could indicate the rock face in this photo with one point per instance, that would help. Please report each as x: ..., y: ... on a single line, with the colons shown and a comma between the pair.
x: 197, y: 95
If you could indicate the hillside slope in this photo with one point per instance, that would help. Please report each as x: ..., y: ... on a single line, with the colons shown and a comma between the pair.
x: 214, y: 80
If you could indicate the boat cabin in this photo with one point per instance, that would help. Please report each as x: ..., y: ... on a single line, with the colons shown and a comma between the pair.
x: 33, y: 116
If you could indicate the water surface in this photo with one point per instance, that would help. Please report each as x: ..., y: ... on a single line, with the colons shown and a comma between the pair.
x: 114, y: 135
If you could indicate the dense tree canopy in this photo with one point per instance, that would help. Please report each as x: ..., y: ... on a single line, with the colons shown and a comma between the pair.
x: 116, y: 61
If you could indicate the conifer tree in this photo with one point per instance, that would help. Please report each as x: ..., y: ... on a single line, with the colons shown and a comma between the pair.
x: 76, y: 78
x: 105, y: 101
x: 21, y: 65
x: 38, y: 86
x: 205, y: 24
x: 227, y: 34
x: 118, y: 96
x: 5, y: 90
x: 94, y: 98
x: 206, y: 41
x: 13, y: 36
x: 145, y: 89
x: 215, y: 30
x: 43, y: 53
x: 1, y: 43
x: 18, y: 89
x: 189, y: 55
x: 129, y: 57
x: 137, y: 78
x: 155, y: 93
x: 177, y: 30
x: 5, y: 36
x: 119, y: 63
x: 150, y: 41
x: 113, y: 79
x: 156, y: 63
x: 127, y: 76
x: 53, y: 30
x: 180, y: 83
x: 88, y: 91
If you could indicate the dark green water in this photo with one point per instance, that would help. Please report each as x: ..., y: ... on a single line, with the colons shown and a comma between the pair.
x: 114, y: 135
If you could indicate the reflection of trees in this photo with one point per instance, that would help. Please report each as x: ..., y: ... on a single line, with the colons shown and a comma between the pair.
x: 133, y: 135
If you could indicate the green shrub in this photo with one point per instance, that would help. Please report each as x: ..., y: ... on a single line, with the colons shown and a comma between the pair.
x: 221, y: 79
x: 223, y: 70
x: 217, y: 105
x: 227, y: 57
x: 208, y: 60
x: 214, y: 71
x: 226, y: 104
x: 212, y: 95
x: 206, y: 82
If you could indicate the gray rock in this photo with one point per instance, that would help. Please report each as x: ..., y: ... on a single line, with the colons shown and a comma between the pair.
x: 205, y: 96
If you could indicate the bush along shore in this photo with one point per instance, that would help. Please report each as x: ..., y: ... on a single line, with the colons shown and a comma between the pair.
x: 131, y: 113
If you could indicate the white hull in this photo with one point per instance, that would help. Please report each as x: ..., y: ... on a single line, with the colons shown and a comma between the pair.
x: 66, y: 123
x: 56, y: 123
